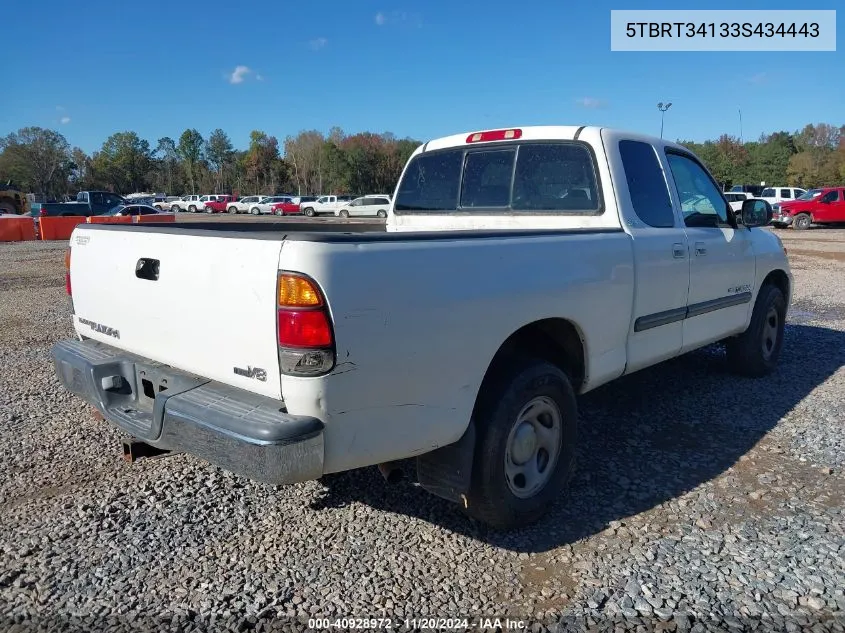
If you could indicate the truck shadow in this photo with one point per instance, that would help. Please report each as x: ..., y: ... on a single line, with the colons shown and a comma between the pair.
x: 644, y: 439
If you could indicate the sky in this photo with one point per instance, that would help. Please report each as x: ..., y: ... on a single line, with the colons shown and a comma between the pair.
x: 416, y: 68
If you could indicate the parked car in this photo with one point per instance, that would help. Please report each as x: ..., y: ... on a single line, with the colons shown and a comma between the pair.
x: 350, y: 356
x: 827, y: 207
x: 325, y: 205
x: 376, y: 205
x: 754, y: 190
x: 132, y: 209
x: 737, y: 198
x: 247, y: 204
x: 286, y: 207
x: 87, y: 203
x: 773, y: 195
x: 219, y: 204
x: 265, y: 207
x: 166, y: 203
x: 186, y: 203
x: 302, y: 199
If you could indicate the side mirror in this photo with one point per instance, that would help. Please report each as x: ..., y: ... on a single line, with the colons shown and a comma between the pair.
x: 756, y: 213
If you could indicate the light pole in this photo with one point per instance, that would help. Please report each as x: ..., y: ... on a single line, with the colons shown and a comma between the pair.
x: 740, y: 126
x: 662, y: 107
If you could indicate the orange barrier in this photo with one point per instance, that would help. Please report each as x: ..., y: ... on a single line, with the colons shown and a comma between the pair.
x: 59, y: 228
x: 110, y: 219
x: 17, y: 229
x: 155, y: 217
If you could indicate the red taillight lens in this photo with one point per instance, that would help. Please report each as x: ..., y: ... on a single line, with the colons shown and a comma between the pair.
x: 42, y: 211
x: 67, y: 285
x: 304, y: 328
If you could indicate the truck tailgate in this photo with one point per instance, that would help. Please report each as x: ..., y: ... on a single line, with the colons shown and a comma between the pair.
x: 210, y: 310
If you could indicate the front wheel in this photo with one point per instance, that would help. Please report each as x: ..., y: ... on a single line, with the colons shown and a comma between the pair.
x: 209, y: 210
x: 192, y: 209
x: 309, y: 212
x: 344, y: 213
x: 526, y: 421
x: 755, y: 352
x: 255, y: 211
x: 801, y: 222
x: 233, y: 209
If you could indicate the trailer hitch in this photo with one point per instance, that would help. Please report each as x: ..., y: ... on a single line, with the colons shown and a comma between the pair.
x: 134, y: 449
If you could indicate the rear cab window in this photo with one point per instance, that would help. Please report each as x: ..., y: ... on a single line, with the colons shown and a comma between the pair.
x: 525, y: 177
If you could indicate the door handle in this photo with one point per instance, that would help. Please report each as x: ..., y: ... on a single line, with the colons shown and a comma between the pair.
x: 700, y: 248
x: 678, y: 251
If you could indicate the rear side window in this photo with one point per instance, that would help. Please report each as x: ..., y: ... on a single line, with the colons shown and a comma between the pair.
x: 768, y: 193
x: 530, y: 177
x: 785, y: 193
x: 646, y: 184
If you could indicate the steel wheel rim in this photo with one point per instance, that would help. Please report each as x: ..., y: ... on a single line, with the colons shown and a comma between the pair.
x: 770, y: 332
x: 804, y: 221
x: 533, y: 447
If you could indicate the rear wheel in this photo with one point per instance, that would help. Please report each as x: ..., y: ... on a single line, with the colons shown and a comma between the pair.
x: 233, y: 209
x: 192, y: 209
x: 255, y: 211
x: 526, y: 421
x: 801, y: 222
x: 755, y: 352
x: 309, y: 212
x: 209, y: 210
x: 382, y: 213
x: 6, y: 207
x: 344, y: 213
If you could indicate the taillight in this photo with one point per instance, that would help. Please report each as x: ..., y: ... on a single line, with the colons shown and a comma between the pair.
x: 67, y: 273
x: 305, y: 335
x: 494, y: 135
x: 42, y: 211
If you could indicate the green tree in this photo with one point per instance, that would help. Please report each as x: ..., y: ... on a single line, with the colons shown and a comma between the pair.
x: 218, y: 150
x: 37, y: 159
x: 169, y: 157
x: 190, y: 151
x: 124, y: 162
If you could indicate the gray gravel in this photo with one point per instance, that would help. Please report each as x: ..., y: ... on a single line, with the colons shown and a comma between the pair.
x: 702, y: 502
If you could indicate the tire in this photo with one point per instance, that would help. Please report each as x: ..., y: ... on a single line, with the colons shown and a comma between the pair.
x: 343, y: 213
x: 309, y: 212
x: 233, y: 209
x: 255, y: 211
x: 192, y: 209
x: 382, y: 213
x: 209, y: 210
x: 755, y: 352
x: 175, y: 208
x: 504, y: 435
x: 802, y: 222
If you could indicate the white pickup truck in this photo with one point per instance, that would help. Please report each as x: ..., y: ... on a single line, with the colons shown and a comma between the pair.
x: 325, y: 205
x: 516, y: 269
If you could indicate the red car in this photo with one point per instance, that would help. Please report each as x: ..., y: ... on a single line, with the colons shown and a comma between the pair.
x: 286, y: 207
x: 826, y: 207
x: 221, y: 205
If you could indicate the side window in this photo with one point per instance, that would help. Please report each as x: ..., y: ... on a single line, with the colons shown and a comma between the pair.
x: 646, y: 184
x: 96, y: 198
x: 830, y: 196
x: 487, y: 178
x: 701, y: 202
x: 786, y: 193
x: 555, y: 177
x: 383, y: 201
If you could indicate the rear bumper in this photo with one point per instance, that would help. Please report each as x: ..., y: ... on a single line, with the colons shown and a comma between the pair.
x: 247, y: 434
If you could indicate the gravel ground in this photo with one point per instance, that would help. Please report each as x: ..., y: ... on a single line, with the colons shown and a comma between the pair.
x: 702, y: 502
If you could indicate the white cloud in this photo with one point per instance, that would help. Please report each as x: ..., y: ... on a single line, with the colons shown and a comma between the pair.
x: 380, y: 19
x: 591, y: 102
x: 239, y: 74
x: 64, y: 120
x: 318, y: 43
x: 398, y: 17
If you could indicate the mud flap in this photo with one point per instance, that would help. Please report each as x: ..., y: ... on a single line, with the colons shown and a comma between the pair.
x: 447, y: 471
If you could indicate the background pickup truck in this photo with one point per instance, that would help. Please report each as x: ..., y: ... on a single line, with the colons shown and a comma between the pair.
x: 325, y: 205
x: 87, y: 203
x: 824, y: 206
x: 220, y: 204
x: 516, y: 269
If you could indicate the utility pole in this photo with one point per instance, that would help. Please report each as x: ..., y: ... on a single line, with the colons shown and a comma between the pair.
x: 740, y: 126
x: 662, y: 107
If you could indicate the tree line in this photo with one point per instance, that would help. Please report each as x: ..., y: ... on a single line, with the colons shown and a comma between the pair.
x: 42, y: 161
